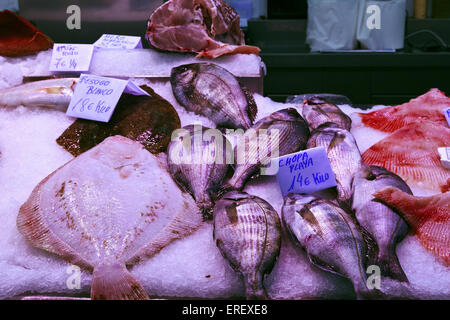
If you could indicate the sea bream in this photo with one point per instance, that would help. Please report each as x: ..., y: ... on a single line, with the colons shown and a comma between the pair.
x: 343, y: 153
x: 385, y: 225
x: 111, y: 207
x: 331, y: 238
x: 317, y: 111
x: 282, y: 132
x: 247, y: 231
x: 198, y: 161
x: 212, y: 91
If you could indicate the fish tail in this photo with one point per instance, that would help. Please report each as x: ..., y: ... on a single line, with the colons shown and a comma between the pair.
x: 115, y: 282
x: 390, y: 267
x: 254, y: 289
x: 364, y: 293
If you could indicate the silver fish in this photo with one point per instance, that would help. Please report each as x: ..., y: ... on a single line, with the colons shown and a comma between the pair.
x: 382, y: 222
x: 343, y: 153
x: 331, y: 238
x: 287, y: 132
x: 247, y: 231
x: 198, y: 161
x: 317, y: 111
x: 212, y: 91
x: 53, y: 93
x: 109, y: 208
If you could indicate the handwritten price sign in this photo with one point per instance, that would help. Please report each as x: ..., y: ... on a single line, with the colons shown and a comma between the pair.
x: 447, y: 115
x: 304, y: 172
x: 114, y: 41
x: 71, y: 57
x: 95, y: 97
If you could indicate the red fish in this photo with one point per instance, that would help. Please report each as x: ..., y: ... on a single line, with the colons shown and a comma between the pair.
x: 18, y: 37
x: 429, y: 106
x: 429, y: 217
x: 411, y: 153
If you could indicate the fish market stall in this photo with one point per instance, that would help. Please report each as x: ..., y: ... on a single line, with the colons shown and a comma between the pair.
x: 111, y: 210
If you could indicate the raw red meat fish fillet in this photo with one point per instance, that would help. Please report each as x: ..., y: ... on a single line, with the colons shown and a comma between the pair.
x: 429, y: 217
x: 209, y: 27
x: 429, y: 106
x: 411, y: 153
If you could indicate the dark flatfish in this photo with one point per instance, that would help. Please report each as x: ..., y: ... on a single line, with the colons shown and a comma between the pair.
x: 212, y: 91
x: 149, y: 120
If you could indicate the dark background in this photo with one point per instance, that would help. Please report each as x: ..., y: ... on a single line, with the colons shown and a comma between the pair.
x: 366, y: 78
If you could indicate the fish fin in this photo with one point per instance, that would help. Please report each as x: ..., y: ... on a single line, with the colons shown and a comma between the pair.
x: 115, y: 282
x: 390, y: 267
x: 404, y: 203
x: 370, y: 243
x: 322, y: 265
x: 33, y: 227
x: 183, y: 224
x: 254, y: 289
x: 252, y: 109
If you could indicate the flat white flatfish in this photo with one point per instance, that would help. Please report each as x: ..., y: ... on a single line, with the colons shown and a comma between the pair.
x: 112, y: 206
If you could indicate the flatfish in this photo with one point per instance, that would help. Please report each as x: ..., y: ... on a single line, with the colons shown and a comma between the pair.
x: 109, y: 208
x: 412, y: 153
x: 149, y: 120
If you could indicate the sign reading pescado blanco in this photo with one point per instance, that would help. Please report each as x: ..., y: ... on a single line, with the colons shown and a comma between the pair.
x: 95, y: 97
x: 306, y: 171
x: 114, y: 41
x: 447, y: 115
x: 71, y: 57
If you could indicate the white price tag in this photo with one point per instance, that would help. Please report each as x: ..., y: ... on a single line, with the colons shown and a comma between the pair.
x: 95, y: 97
x: 114, y: 41
x: 447, y: 115
x: 445, y: 156
x: 306, y: 171
x: 71, y: 57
